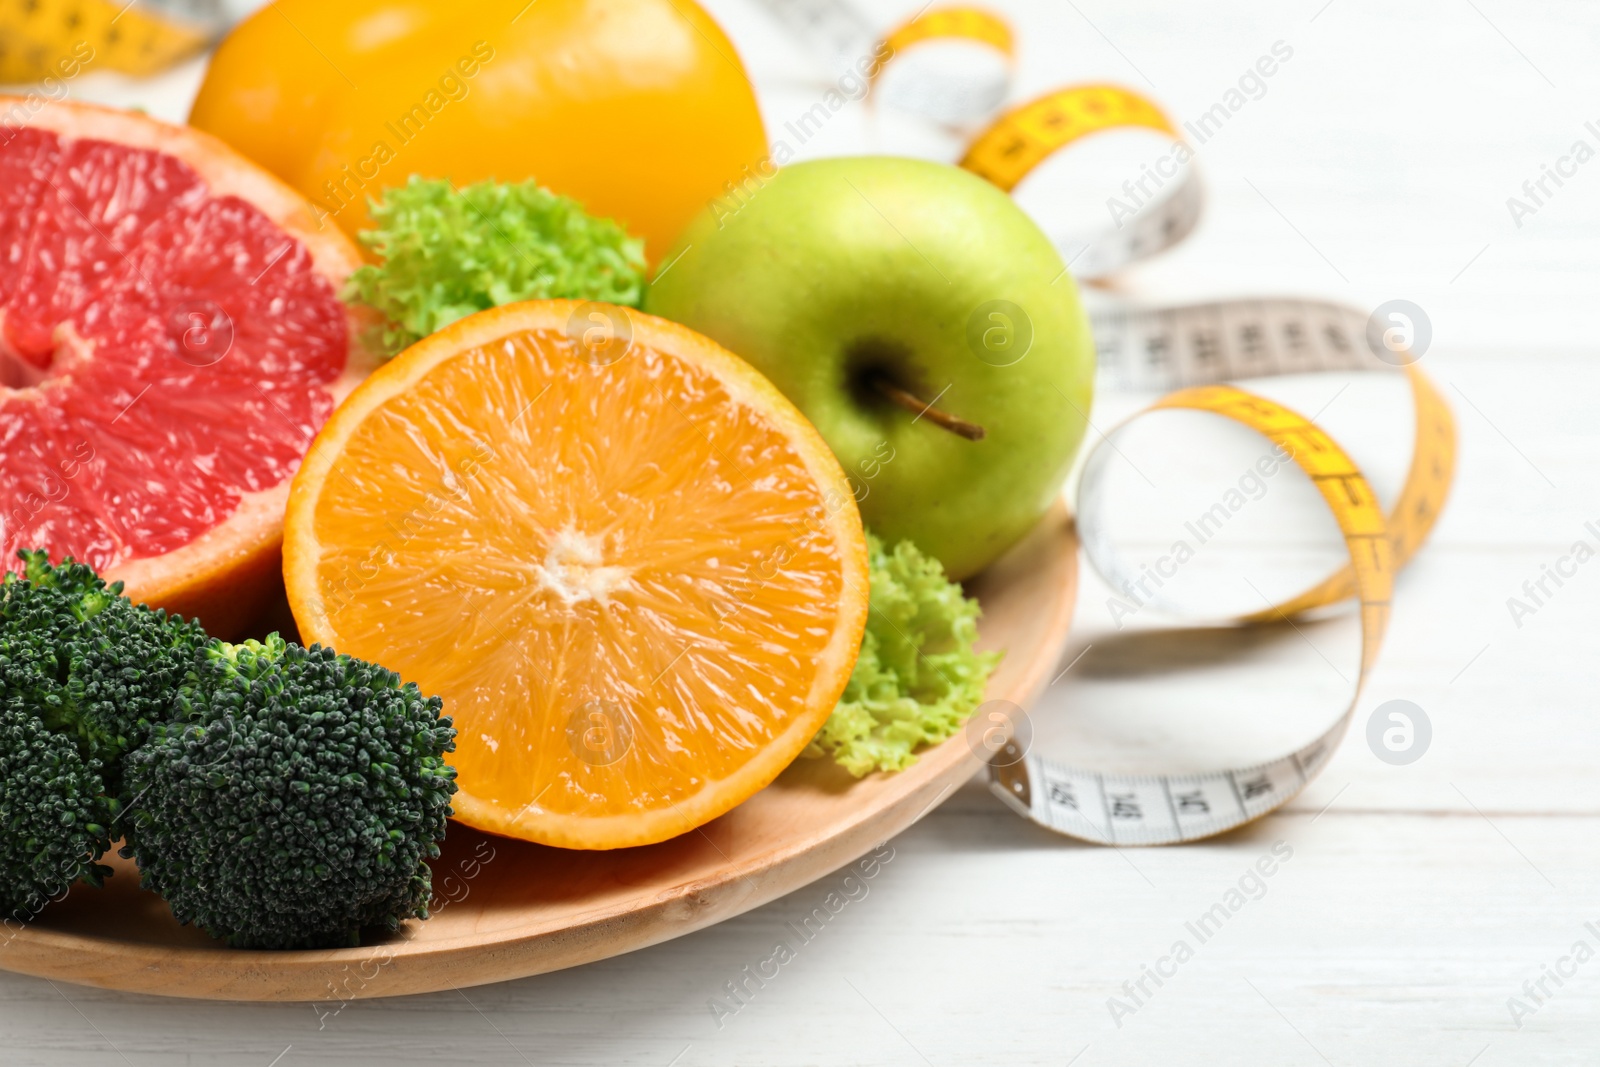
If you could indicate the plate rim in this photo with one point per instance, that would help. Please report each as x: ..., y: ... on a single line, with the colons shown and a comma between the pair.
x: 648, y: 917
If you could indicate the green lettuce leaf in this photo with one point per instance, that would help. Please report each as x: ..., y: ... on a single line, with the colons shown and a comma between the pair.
x: 918, y: 678
x: 448, y: 253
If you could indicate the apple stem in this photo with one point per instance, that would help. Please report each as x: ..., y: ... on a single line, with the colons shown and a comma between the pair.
x: 925, y: 409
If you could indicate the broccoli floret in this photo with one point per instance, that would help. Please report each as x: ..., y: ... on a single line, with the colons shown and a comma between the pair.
x: 84, y: 673
x: 275, y: 795
x: 90, y: 662
x: 54, y: 814
x: 294, y: 798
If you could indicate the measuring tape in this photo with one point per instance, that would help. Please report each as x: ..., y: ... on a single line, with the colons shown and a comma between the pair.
x: 41, y: 39
x: 847, y: 42
x: 1206, y: 343
x: 1189, y: 353
x: 1019, y: 141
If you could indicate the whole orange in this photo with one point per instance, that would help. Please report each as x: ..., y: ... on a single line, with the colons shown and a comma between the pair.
x: 639, y: 109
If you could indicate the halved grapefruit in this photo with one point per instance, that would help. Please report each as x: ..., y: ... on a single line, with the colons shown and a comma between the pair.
x: 171, y: 340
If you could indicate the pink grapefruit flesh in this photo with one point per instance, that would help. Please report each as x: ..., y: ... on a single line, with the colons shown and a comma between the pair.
x: 171, y: 340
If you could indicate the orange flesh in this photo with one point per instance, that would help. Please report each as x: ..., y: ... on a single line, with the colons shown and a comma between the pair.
x: 626, y: 581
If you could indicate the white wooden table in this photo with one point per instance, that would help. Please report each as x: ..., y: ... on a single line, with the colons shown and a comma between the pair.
x: 1419, y: 899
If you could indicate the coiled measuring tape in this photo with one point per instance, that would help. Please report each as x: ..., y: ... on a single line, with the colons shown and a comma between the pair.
x: 1189, y: 353
x: 1205, y: 343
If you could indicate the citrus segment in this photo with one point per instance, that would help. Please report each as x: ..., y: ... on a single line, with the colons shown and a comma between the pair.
x: 170, y: 341
x: 633, y: 570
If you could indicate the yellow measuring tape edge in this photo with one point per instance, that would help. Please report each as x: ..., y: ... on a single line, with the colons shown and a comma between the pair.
x: 1025, y: 136
x: 958, y: 23
x: 1408, y: 523
x: 42, y: 39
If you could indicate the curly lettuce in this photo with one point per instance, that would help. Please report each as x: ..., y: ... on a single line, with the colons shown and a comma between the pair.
x: 918, y: 678
x: 447, y: 253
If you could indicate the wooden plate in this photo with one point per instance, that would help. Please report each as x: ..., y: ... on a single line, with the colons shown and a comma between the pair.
x: 513, y: 909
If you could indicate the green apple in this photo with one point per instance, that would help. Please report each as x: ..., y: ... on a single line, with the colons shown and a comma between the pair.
x: 920, y: 320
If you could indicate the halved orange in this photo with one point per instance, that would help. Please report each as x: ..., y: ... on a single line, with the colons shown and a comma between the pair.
x: 631, y: 567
